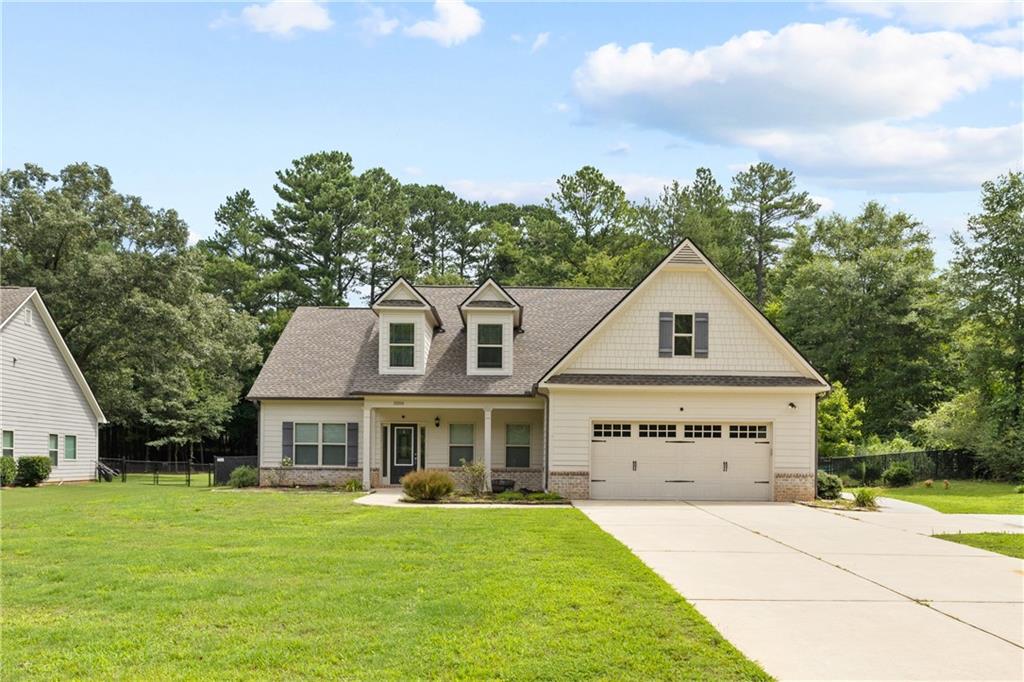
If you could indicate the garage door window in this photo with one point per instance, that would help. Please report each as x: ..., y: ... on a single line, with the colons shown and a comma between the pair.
x: 748, y: 431
x: 657, y: 430
x: 612, y: 430
x: 702, y: 431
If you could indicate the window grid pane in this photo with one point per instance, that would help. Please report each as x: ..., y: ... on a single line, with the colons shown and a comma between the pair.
x: 460, y: 434
x: 684, y: 345
x: 306, y: 433
x: 657, y: 431
x: 335, y: 433
x: 488, y: 357
x: 702, y: 431
x: 457, y: 453
x: 306, y: 455
x: 759, y: 431
x: 70, y: 447
x: 402, y: 356
x: 334, y: 455
x: 517, y: 434
x: 684, y: 324
x: 488, y: 334
x: 612, y: 430
x: 517, y: 457
x: 402, y: 333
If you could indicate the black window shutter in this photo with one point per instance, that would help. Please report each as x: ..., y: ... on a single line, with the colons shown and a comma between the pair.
x: 665, y: 335
x: 287, y: 440
x: 700, y: 335
x: 352, y: 446
x: 385, y: 447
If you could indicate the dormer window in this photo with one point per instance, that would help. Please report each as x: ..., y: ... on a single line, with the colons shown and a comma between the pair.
x: 402, y: 344
x: 488, y: 346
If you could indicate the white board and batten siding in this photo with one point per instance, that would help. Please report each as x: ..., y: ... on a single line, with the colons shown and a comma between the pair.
x: 273, y: 413
x: 39, y: 396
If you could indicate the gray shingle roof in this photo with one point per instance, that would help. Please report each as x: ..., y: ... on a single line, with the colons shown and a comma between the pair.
x: 11, y: 298
x: 401, y: 302
x: 332, y: 352
x: 681, y: 380
x: 490, y: 304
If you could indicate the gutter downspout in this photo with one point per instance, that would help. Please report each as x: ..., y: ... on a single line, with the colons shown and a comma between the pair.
x: 547, y: 437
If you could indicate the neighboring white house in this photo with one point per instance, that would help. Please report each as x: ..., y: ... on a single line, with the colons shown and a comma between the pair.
x: 46, y: 407
x: 676, y: 389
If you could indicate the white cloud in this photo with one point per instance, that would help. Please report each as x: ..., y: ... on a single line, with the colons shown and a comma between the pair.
x: 561, y: 107
x: 1011, y: 35
x: 949, y: 15
x: 636, y: 186
x: 516, y: 38
x: 807, y: 93
x: 282, y: 18
x: 454, y: 22
x: 540, y: 41
x: 826, y: 204
x: 376, y: 23
x: 618, y: 149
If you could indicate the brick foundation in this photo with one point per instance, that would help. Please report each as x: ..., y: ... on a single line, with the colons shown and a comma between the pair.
x: 792, y: 486
x: 287, y: 477
x: 524, y: 478
x: 572, y: 485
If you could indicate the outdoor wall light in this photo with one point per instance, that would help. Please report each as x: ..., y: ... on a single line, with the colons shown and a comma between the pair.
x: 437, y: 422
x: 792, y: 406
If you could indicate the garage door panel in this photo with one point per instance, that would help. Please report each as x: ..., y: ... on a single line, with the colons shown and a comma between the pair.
x: 709, y: 462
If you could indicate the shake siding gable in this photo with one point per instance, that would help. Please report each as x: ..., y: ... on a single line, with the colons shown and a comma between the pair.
x: 629, y: 342
x: 39, y: 396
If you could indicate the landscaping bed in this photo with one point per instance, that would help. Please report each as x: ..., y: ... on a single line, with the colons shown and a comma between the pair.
x: 510, y: 497
x: 841, y: 504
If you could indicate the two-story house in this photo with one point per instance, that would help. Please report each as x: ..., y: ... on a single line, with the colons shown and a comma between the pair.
x: 676, y: 389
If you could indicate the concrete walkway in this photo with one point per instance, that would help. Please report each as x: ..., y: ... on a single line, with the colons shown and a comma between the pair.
x: 820, y: 595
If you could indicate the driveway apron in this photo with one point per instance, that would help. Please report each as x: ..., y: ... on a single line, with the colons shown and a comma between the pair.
x: 816, y: 595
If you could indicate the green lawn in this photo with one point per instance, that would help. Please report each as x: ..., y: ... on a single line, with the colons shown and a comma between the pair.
x: 136, y: 581
x: 963, y: 497
x: 1010, y: 544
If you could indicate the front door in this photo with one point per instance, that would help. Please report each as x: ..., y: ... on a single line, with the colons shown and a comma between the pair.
x: 403, y: 450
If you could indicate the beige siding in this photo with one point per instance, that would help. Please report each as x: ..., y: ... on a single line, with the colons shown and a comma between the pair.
x: 422, y: 333
x: 39, y: 396
x: 274, y: 412
x: 629, y: 341
x: 573, y: 411
x: 474, y: 320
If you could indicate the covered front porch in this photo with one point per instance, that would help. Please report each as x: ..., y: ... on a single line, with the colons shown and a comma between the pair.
x: 407, y: 433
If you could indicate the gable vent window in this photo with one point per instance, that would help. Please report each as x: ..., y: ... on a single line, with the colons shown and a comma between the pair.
x: 759, y: 431
x: 488, y: 346
x: 28, y: 317
x: 657, y: 431
x: 682, y: 335
x: 702, y: 431
x: 612, y: 430
x: 402, y: 350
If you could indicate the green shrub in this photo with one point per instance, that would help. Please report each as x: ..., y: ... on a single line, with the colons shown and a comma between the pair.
x: 1019, y: 490
x: 510, y: 496
x: 829, y: 485
x: 476, y: 477
x: 244, y: 477
x: 543, y: 496
x: 353, y: 485
x: 428, y: 484
x: 865, y: 497
x: 32, y: 471
x: 7, y: 468
x: 898, y: 475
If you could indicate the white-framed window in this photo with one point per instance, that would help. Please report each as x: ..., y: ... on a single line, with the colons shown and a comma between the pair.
x: 682, y: 334
x: 54, y: 448
x: 307, y: 444
x: 702, y: 431
x: 8, y: 444
x: 460, y: 444
x: 319, y: 444
x: 488, y: 346
x: 613, y: 430
x: 334, y: 439
x: 402, y: 344
x: 517, y: 445
x: 657, y: 431
x: 70, y: 447
x: 759, y: 431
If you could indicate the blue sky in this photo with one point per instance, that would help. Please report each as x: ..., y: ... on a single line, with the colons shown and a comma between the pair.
x: 911, y: 104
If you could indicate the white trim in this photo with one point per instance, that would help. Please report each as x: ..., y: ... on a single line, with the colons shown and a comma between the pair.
x: 427, y: 306
x: 517, y: 310
x: 685, y: 389
x: 69, y: 359
x: 742, y: 300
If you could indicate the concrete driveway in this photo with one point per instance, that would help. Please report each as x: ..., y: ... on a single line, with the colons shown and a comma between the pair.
x: 813, y: 594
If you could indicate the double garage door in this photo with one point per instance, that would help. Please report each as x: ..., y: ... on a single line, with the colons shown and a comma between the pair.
x: 680, y: 461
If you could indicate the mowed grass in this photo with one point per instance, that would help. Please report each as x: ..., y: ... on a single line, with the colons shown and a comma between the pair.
x: 136, y: 581
x: 963, y: 497
x: 1010, y: 544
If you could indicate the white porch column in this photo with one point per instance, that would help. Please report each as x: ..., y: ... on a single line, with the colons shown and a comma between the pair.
x: 487, y: 446
x: 366, y: 445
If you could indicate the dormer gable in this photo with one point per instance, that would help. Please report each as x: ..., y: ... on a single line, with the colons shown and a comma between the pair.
x: 406, y: 323
x: 491, y: 318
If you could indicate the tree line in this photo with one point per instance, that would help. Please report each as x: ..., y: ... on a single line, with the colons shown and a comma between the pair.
x: 170, y: 336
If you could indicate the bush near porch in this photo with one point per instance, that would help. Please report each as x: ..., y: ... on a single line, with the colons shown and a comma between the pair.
x: 138, y: 581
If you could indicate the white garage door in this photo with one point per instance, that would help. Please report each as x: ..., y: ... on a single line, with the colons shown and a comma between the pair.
x: 680, y: 461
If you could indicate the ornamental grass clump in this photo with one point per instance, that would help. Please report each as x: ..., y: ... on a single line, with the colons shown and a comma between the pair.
x: 865, y: 498
x: 428, y: 485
